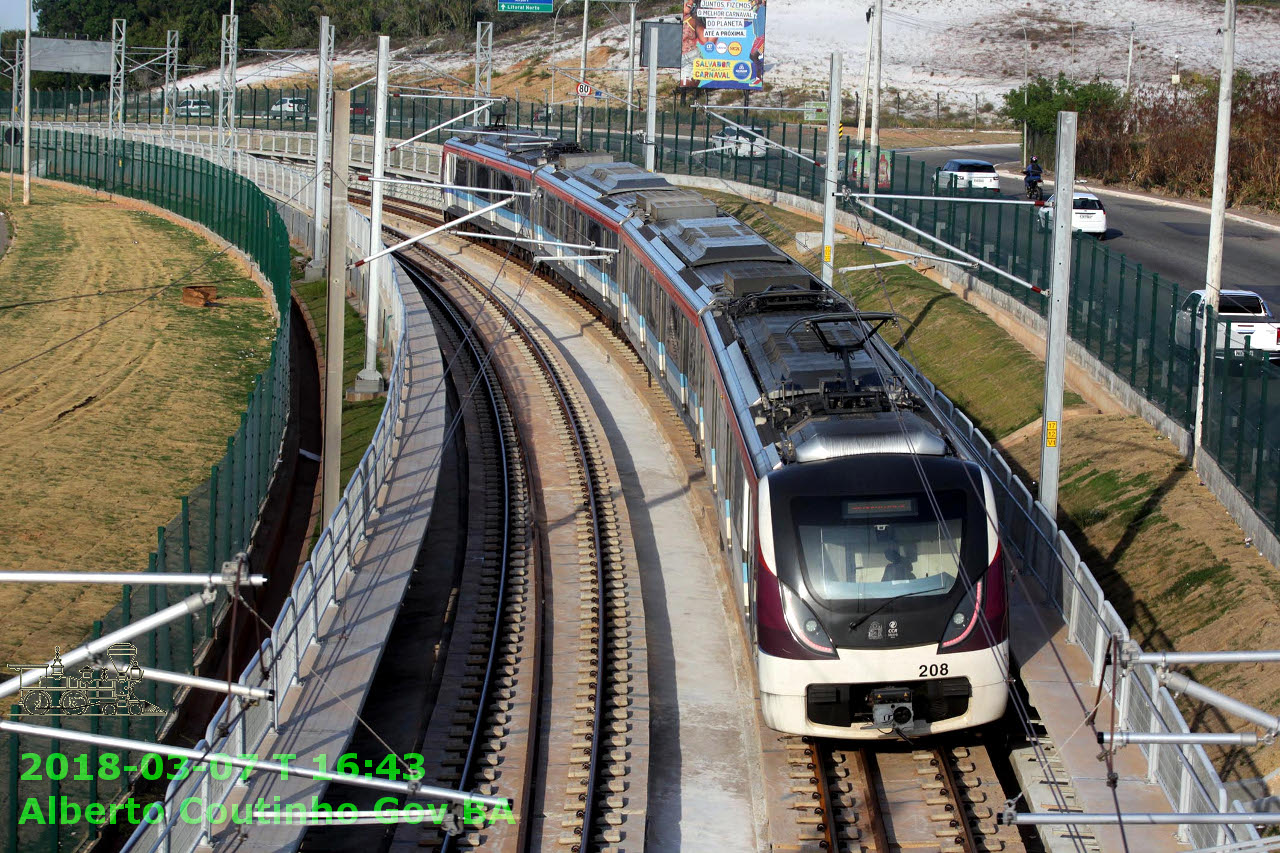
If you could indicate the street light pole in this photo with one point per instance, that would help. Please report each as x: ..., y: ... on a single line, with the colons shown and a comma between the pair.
x: 631, y: 63
x: 26, y: 112
x: 831, y: 184
x: 875, y: 97
x: 1128, y: 74
x: 1026, y: 88
x: 1217, y: 215
x: 864, y: 103
x: 651, y: 108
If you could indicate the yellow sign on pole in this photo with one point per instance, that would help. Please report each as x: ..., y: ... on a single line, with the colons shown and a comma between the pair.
x: 1051, y: 434
x: 826, y: 254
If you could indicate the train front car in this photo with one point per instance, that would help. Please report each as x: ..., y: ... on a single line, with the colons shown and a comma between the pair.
x: 880, y: 596
x: 879, y: 590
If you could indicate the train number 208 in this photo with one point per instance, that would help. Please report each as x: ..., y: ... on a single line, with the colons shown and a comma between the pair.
x: 932, y: 670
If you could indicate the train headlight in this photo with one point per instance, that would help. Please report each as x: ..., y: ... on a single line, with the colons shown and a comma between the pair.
x: 962, y: 621
x: 804, y: 624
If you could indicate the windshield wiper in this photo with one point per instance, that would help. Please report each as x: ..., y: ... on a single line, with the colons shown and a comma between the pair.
x: 856, y: 625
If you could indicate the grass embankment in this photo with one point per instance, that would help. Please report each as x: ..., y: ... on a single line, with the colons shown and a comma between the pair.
x: 124, y: 400
x: 1170, y: 558
x: 359, y: 419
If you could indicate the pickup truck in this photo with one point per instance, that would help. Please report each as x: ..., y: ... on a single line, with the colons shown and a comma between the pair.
x: 1252, y: 324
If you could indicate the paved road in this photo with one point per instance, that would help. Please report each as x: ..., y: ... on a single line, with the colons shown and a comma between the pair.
x: 1167, y: 240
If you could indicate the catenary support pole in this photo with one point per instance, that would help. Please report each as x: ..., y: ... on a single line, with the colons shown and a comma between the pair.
x: 1055, y: 362
x: 369, y: 381
x: 337, y: 301
x: 832, y: 182
x: 323, y: 101
x: 582, y: 70
x: 1217, y: 218
x: 26, y: 111
x: 651, y: 107
x: 875, y: 96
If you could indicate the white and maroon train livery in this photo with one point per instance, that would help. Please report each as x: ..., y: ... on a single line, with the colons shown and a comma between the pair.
x: 858, y: 532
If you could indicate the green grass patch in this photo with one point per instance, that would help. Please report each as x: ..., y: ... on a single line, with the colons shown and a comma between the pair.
x: 359, y: 419
x: 1188, y: 582
x: 996, y: 381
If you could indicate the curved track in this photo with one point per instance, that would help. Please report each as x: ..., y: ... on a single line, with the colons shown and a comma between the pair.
x: 588, y: 769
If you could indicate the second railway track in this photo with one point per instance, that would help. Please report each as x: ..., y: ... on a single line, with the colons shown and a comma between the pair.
x: 554, y: 729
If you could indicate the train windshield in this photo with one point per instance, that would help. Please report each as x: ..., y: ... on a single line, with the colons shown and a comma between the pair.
x: 857, y: 549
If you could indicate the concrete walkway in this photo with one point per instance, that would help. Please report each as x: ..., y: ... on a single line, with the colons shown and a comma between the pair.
x: 321, y: 710
x: 1057, y: 677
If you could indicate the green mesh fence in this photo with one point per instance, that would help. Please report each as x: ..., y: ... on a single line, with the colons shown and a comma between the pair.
x: 210, y: 525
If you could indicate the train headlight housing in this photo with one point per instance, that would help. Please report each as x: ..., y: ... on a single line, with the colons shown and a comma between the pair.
x: 964, y: 619
x: 804, y: 624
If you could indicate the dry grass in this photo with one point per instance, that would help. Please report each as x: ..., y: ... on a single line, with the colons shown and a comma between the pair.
x: 100, y: 437
x: 1171, y: 561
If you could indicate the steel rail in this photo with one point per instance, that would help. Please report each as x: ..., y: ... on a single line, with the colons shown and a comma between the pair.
x: 482, y: 705
x: 557, y: 383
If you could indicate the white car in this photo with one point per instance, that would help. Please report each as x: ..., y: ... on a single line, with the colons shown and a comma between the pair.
x: 1253, y: 326
x: 290, y: 107
x: 968, y: 175
x: 1088, y: 214
x: 739, y: 143
x: 193, y: 109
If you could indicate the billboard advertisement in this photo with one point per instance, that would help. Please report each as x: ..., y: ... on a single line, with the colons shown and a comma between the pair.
x: 723, y: 44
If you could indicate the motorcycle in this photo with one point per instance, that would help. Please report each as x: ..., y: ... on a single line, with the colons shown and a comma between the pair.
x: 1034, y: 192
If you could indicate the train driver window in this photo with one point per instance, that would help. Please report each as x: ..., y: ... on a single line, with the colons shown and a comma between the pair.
x: 883, y: 547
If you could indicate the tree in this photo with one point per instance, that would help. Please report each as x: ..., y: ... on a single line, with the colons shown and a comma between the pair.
x: 1045, y: 98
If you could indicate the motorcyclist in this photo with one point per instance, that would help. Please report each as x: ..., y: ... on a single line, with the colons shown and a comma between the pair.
x: 1034, y: 172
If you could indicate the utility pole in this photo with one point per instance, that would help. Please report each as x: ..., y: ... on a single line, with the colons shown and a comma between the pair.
x: 1128, y: 74
x: 1055, y: 358
x: 322, y: 139
x: 582, y: 70
x: 26, y: 112
x: 369, y: 380
x: 1217, y: 215
x: 1177, y: 80
x: 337, y: 302
x: 875, y: 97
x: 864, y: 103
x: 833, y: 174
x: 651, y: 114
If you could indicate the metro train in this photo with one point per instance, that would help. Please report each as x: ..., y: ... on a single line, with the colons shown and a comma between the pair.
x: 859, y: 532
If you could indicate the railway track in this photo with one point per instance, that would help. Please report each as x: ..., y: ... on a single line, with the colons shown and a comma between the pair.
x: 554, y: 732
x: 869, y: 798
x: 875, y: 799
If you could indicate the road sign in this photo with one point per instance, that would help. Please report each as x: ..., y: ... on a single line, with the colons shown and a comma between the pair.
x: 525, y: 6
x: 599, y: 93
x: 584, y: 89
x: 815, y: 110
